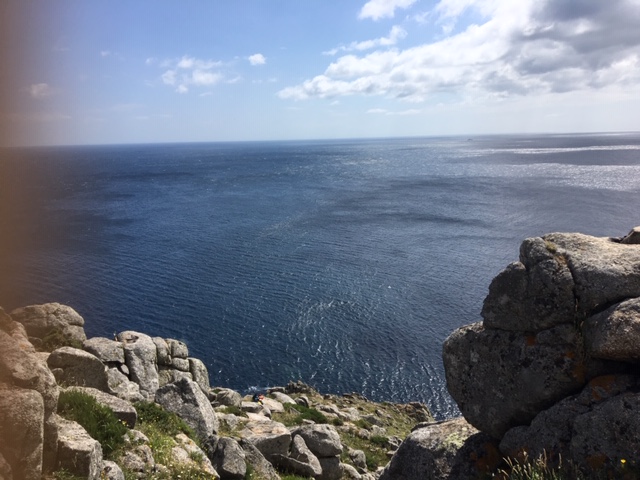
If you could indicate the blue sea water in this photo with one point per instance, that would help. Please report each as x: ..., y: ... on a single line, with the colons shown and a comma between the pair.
x: 341, y: 263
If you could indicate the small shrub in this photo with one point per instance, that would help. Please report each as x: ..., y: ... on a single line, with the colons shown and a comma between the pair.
x: 235, y: 410
x: 306, y: 413
x: 99, y: 421
x: 380, y: 440
x: 337, y: 421
x: 166, y: 422
x: 362, y: 423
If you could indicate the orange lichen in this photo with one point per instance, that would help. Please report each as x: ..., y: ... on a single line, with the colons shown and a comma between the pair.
x: 530, y: 340
x: 601, y: 385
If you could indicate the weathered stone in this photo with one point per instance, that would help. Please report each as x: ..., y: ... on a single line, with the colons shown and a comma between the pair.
x: 604, y: 271
x: 76, y: 367
x: 358, y: 458
x: 300, y: 461
x: 185, y: 399
x: 178, y: 349
x: 502, y: 379
x: 105, y: 349
x: 111, y: 471
x: 551, y: 432
x: 450, y: 449
x: 322, y: 440
x: 163, y: 353
x: 21, y: 431
x: 226, y: 396
x: 181, y: 364
x: 194, y: 455
x: 44, y: 320
x: 200, y: 373
x: 21, y: 366
x: 252, y: 407
x: 632, y: 238
x: 170, y: 375
x: 274, y: 406
x: 301, y: 452
x: 120, y: 386
x: 350, y: 472
x: 29, y: 397
x: 139, y: 461
x: 282, y: 397
x: 608, y: 433
x: 229, y: 459
x: 533, y: 294
x: 271, y: 438
x: 140, y: 357
x: 78, y: 453
x: 122, y: 409
x: 615, y: 333
x: 331, y: 468
x: 260, y: 465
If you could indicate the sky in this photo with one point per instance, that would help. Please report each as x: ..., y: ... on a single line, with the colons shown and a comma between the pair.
x: 103, y: 72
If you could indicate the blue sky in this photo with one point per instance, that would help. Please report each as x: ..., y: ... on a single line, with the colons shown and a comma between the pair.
x: 93, y: 72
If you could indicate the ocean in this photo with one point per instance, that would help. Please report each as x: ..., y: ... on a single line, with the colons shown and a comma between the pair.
x: 342, y: 263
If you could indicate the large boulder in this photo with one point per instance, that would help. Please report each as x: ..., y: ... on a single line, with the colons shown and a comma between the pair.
x: 501, y: 379
x: 120, y: 386
x: 49, y: 320
x: 322, y: 440
x: 452, y: 449
x: 28, y: 400
x: 259, y: 464
x: 75, y: 367
x: 186, y: 399
x: 78, y: 453
x: 21, y: 431
x: 300, y: 461
x: 592, y: 426
x: 270, y: 437
x: 228, y: 397
x: 140, y: 358
x: 615, y: 333
x: 605, y: 271
x: 177, y: 348
x: 199, y: 372
x: 229, y: 459
x: 108, y: 351
x: 534, y: 294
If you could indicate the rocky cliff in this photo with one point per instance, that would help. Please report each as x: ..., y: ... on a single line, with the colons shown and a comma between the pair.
x: 148, y: 382
x: 552, y: 370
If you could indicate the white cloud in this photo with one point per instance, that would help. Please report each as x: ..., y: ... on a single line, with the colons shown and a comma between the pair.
x: 186, y: 72
x: 105, y: 53
x: 397, y: 33
x: 40, y: 90
x: 377, y: 9
x: 523, y: 48
x: 257, y: 59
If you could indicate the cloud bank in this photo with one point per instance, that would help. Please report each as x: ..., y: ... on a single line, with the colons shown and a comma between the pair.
x: 518, y: 48
x: 189, y: 71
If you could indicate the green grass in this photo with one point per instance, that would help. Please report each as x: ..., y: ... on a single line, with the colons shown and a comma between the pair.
x: 375, y: 455
x: 166, y: 422
x: 99, y: 421
x: 295, y: 415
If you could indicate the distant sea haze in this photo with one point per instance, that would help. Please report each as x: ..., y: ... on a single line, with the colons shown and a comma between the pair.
x: 341, y: 263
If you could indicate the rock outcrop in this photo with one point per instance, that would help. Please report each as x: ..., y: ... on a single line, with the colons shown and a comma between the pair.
x: 28, y: 400
x: 554, y: 363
